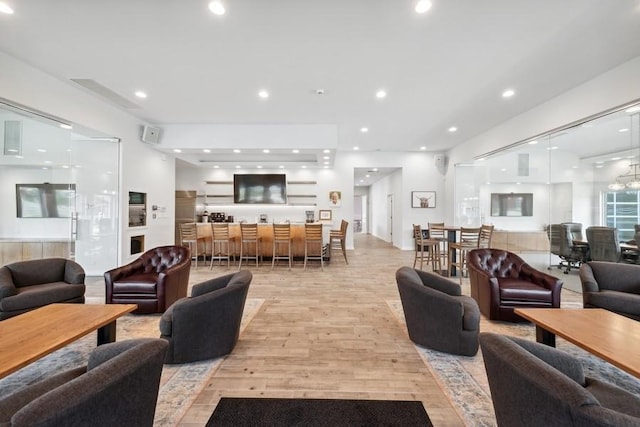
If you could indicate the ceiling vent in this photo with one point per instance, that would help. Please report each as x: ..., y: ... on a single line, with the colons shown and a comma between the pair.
x: 105, y: 93
x: 150, y: 135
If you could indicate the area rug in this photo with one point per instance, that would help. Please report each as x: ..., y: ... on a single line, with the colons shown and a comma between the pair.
x: 464, y: 379
x: 179, y: 384
x: 238, y: 412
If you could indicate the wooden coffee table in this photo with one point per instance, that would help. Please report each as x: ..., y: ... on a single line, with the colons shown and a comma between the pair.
x: 29, y: 336
x: 608, y: 335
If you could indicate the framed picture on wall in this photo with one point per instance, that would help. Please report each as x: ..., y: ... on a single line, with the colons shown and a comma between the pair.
x: 423, y: 199
x: 324, y: 215
x: 335, y: 199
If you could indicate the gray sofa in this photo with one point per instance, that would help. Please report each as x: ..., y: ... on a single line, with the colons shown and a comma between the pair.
x: 207, y: 324
x: 118, y: 387
x: 536, y: 385
x: 612, y: 286
x: 27, y: 285
x: 438, y: 316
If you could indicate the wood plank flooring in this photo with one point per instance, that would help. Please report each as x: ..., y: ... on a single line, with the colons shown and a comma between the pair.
x: 325, y: 335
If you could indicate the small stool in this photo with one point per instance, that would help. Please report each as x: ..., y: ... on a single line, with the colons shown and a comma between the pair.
x: 281, y: 237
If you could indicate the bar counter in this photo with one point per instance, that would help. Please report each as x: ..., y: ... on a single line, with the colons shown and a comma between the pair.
x: 265, y: 231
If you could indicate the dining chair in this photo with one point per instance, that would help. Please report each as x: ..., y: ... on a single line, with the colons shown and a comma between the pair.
x: 281, y: 238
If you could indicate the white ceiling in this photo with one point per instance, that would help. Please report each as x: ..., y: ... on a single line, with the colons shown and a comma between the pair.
x: 445, y: 68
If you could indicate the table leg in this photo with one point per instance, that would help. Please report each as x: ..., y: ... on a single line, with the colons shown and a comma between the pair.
x: 451, y: 237
x: 545, y: 337
x: 107, y: 333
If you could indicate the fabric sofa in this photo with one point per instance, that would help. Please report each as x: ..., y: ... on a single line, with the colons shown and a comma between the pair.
x: 612, y: 286
x: 27, y: 285
x: 501, y: 281
x: 536, y: 385
x: 438, y: 316
x: 154, y: 281
x: 118, y: 387
x: 207, y: 324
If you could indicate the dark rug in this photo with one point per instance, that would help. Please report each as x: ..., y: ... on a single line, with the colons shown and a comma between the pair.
x: 318, y: 412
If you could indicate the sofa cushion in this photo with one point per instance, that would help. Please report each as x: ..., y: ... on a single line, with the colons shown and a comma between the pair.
x: 523, y: 291
x: 166, y: 321
x: 614, y: 398
x: 144, y: 283
x: 28, y: 297
x: 471, y: 316
x: 621, y: 302
x: 36, y: 272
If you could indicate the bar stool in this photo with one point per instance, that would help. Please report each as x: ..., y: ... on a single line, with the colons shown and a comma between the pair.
x: 469, y: 239
x: 437, y: 232
x: 426, y: 250
x: 249, y: 236
x: 313, y: 245
x: 221, y: 247
x: 281, y: 237
x: 486, y: 232
x: 339, y: 237
x: 189, y: 236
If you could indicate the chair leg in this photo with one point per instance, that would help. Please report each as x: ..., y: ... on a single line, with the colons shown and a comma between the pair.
x: 344, y: 251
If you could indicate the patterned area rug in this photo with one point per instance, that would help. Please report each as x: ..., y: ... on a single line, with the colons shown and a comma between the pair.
x: 179, y: 384
x: 464, y: 379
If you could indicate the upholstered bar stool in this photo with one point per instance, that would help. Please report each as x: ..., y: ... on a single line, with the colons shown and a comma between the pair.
x: 313, y: 244
x: 469, y: 239
x: 249, y: 239
x: 223, y: 245
x: 337, y: 238
x: 189, y: 237
x: 281, y: 238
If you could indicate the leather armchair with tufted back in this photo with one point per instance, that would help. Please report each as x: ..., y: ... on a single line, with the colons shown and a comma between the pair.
x: 154, y: 281
x: 501, y: 281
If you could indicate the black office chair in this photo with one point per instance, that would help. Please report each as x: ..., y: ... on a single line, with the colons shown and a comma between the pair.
x: 562, y: 239
x: 604, y: 244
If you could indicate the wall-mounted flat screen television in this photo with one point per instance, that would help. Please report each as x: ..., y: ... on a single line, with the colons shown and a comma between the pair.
x: 260, y: 188
x: 45, y: 200
x: 511, y: 204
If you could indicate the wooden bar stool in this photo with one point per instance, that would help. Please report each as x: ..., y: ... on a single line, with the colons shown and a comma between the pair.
x: 426, y: 250
x: 338, y: 238
x: 469, y: 239
x: 313, y: 245
x: 249, y: 236
x: 438, y: 232
x: 223, y: 245
x: 281, y: 237
x: 189, y: 237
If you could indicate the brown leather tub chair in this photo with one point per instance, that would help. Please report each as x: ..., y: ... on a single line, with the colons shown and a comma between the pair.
x: 154, y: 281
x: 501, y: 281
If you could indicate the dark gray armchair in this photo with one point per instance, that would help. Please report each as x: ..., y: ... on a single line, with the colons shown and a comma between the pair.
x: 438, y: 316
x: 27, y: 285
x: 118, y: 387
x: 603, y: 244
x: 536, y: 385
x: 207, y: 324
x: 612, y: 286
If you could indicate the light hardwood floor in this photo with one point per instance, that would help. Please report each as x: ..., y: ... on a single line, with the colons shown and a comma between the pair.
x: 325, y: 334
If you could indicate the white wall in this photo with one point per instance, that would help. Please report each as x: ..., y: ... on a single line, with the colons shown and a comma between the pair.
x: 141, y: 167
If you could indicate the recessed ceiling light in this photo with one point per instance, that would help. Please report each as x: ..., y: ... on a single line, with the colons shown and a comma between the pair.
x: 217, y: 8
x: 19, y: 157
x: 48, y: 162
x: 356, y: 148
x: 304, y: 166
x: 481, y: 159
x: 177, y: 150
x: 423, y: 6
x: 266, y: 150
x: 235, y: 150
x: 326, y: 151
x: 381, y: 94
x: 206, y: 150
x: 375, y: 169
x: 633, y: 109
x: 259, y: 166
x: 616, y: 158
x: 319, y: 91
x: 5, y: 8
x: 367, y: 176
x: 503, y: 169
x: 423, y: 148
x: 295, y: 151
x: 453, y: 129
x: 263, y: 94
x: 508, y: 93
x: 141, y: 94
x: 65, y: 126
x: 326, y: 167
x: 326, y: 157
x: 216, y: 167
x: 623, y: 130
x: 12, y: 150
x: 364, y: 130
x: 281, y: 167
x: 238, y: 166
x: 45, y: 168
x: 534, y: 142
x: 362, y: 180
x: 599, y: 166
x: 67, y: 167
x: 41, y: 150
x: 327, y: 163
x: 599, y: 162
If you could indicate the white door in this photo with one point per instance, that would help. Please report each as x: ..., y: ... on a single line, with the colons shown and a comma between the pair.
x: 390, y: 217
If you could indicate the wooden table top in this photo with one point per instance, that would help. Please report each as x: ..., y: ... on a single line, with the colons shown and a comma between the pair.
x: 29, y: 336
x: 608, y: 335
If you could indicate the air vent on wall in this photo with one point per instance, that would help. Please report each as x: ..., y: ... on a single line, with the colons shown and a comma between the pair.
x: 150, y: 135
x: 106, y: 93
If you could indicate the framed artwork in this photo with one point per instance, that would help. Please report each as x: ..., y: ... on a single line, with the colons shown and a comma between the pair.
x: 324, y: 215
x: 423, y: 199
x: 335, y: 199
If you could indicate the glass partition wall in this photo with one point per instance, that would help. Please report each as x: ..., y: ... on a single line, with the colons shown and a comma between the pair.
x: 59, y: 190
x: 587, y: 172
